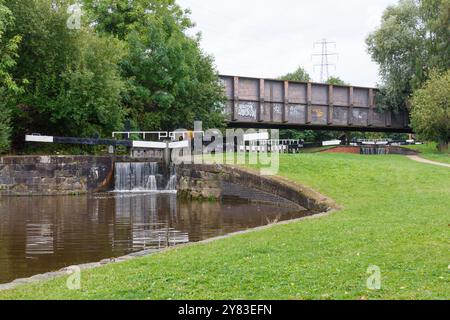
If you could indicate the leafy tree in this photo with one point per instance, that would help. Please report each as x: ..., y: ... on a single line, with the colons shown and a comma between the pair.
x: 131, y: 62
x: 89, y: 100
x: 412, y: 40
x: 5, y: 131
x: 431, y: 110
x: 298, y: 75
x: 170, y: 81
x: 336, y: 81
x: 72, y: 82
x: 8, y: 49
x: 436, y: 16
x: 8, y: 56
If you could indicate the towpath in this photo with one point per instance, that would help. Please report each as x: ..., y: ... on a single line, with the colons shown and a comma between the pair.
x: 422, y: 160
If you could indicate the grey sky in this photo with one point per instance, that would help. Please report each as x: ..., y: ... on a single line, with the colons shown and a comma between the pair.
x: 263, y: 38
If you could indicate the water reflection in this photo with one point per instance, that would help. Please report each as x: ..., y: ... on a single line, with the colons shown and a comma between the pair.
x: 41, y: 234
x: 39, y: 239
x: 148, y: 231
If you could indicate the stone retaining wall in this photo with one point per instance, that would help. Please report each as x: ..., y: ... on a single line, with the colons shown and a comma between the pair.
x: 48, y: 175
x: 57, y: 175
x: 402, y: 151
x: 357, y: 150
x: 62, y: 175
x: 208, y: 181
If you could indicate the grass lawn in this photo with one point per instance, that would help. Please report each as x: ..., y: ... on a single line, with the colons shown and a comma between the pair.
x: 396, y: 216
x: 429, y: 151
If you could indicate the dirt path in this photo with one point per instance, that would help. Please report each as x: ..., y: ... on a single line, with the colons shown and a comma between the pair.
x: 422, y: 160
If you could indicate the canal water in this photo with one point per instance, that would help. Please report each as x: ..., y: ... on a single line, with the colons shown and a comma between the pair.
x: 42, y: 234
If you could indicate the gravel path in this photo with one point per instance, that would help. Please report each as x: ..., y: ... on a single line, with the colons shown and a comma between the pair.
x: 422, y: 160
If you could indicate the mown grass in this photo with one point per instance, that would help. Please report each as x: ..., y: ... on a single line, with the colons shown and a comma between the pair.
x: 429, y: 151
x: 396, y: 215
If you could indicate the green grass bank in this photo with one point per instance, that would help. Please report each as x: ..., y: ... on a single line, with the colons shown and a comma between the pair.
x: 396, y: 215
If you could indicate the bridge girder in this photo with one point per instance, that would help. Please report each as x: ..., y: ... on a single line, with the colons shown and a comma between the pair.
x: 244, y: 125
x: 268, y: 103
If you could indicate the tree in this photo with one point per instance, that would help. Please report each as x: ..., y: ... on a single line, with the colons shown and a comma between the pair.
x: 431, y: 110
x: 72, y: 84
x: 8, y: 56
x: 89, y: 98
x: 5, y: 131
x: 298, y: 75
x: 436, y: 15
x: 412, y: 40
x: 171, y: 82
x: 336, y: 81
x: 131, y: 62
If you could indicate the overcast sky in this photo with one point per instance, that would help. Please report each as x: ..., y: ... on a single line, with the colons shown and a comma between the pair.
x: 262, y: 38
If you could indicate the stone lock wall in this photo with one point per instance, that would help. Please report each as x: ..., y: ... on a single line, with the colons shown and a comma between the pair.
x: 213, y: 181
x: 66, y: 175
x: 357, y: 150
x: 49, y: 175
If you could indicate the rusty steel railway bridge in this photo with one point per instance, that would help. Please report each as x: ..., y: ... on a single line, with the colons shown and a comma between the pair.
x: 277, y: 104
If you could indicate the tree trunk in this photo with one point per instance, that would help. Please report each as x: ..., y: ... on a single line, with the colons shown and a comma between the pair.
x: 443, y: 146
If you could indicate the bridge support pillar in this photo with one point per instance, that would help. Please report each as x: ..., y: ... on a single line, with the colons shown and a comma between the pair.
x: 330, y: 115
x: 350, y: 108
x: 234, y: 116
x: 285, y: 110
x: 308, y: 119
x: 371, y: 107
x: 261, y: 100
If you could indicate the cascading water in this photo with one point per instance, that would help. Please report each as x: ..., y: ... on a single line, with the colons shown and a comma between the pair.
x: 172, y: 184
x: 143, y: 177
x: 151, y: 183
x: 374, y: 150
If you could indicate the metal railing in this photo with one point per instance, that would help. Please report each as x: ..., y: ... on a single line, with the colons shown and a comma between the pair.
x: 173, y: 136
x: 272, y: 145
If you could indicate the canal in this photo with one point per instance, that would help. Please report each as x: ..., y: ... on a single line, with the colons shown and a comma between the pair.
x: 42, y: 234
